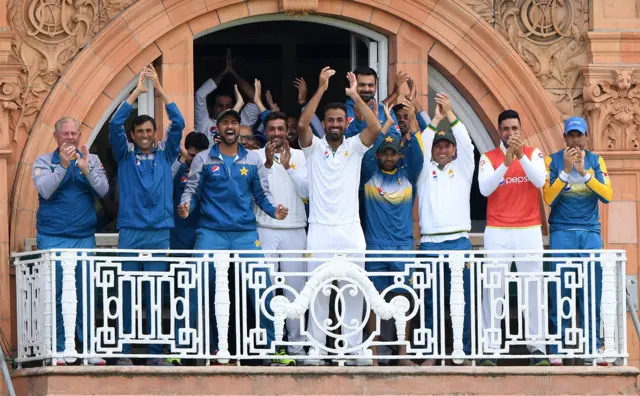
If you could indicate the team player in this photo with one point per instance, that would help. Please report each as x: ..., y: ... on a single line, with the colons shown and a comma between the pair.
x: 68, y: 181
x: 205, y: 118
x: 511, y: 176
x: 577, y: 182
x: 223, y: 184
x: 333, y: 165
x: 444, y: 187
x: 388, y: 192
x: 145, y: 215
x: 288, y: 184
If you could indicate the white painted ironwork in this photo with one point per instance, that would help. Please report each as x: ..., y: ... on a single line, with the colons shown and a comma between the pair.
x: 251, y: 312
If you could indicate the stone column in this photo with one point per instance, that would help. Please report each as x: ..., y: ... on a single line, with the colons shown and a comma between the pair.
x: 612, y: 109
x: 9, y: 92
x: 176, y: 75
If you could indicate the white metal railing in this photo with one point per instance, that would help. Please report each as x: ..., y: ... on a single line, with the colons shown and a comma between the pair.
x: 193, y: 290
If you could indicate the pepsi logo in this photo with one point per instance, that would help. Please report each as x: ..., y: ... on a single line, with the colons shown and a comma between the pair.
x: 215, y: 169
x: 183, y: 179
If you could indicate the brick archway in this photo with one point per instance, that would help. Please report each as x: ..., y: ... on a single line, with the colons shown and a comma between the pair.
x: 479, y: 62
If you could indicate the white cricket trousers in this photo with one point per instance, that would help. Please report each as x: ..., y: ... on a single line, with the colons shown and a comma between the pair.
x: 336, y: 237
x: 288, y: 239
x: 513, y: 239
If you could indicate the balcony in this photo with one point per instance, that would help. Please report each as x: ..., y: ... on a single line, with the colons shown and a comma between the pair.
x: 252, y: 302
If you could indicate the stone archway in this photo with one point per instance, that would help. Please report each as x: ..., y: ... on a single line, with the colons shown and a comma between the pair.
x: 479, y: 62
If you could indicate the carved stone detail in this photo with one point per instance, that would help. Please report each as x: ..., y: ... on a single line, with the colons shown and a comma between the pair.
x: 49, y: 34
x: 298, y: 7
x: 549, y: 36
x: 613, y: 109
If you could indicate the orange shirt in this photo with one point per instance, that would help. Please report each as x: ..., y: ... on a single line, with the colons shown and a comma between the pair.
x: 515, y: 203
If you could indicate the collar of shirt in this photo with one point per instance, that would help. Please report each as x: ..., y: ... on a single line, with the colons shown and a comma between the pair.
x: 342, y: 147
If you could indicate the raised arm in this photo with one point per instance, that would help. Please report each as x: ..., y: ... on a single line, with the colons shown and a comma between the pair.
x: 117, y: 134
x: 171, y: 142
x: 304, y: 123
x: 401, y: 78
x: 297, y: 170
x: 370, y: 133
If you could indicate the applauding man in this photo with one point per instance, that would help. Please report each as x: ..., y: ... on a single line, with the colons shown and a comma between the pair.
x: 223, y: 185
x: 510, y: 177
x: 68, y: 181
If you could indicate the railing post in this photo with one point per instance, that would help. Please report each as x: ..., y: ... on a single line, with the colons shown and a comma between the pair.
x: 46, y: 285
x: 69, y: 302
x: 609, y: 304
x: 222, y: 304
x: 279, y: 308
x: 456, y: 304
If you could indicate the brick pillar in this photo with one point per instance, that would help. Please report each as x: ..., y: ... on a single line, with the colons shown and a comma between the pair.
x: 612, y: 85
x: 176, y: 75
x: 9, y: 92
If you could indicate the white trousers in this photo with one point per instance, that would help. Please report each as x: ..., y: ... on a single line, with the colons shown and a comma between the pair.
x: 533, y: 288
x: 287, y: 239
x: 336, y: 237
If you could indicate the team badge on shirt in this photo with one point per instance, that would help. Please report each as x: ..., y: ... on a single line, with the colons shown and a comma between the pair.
x: 482, y: 162
x: 451, y: 173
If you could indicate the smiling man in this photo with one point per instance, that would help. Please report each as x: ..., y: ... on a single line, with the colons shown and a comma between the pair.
x: 444, y: 187
x: 289, y: 184
x: 145, y: 215
x: 333, y: 165
x: 68, y: 181
x: 224, y: 183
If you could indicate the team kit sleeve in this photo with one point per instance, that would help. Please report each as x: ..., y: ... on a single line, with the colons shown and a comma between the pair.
x: 171, y: 142
x: 202, y: 113
x: 315, y: 142
x: 465, y: 148
x: 427, y: 141
x: 370, y: 162
x: 249, y: 114
x: 415, y: 161
x: 600, y: 184
x: 554, y: 183
x: 46, y: 179
x: 193, y: 188
x: 117, y: 134
x: 298, y: 173
x: 489, y: 178
x: 534, y: 168
x: 260, y: 189
x: 97, y: 177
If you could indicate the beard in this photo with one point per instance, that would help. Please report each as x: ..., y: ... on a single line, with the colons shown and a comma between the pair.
x: 367, y: 96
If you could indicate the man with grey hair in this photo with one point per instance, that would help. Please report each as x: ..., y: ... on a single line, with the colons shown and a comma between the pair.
x: 68, y: 181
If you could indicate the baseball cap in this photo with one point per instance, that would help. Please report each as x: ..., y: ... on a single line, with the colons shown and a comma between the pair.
x: 443, y: 135
x: 230, y: 112
x: 391, y: 141
x: 575, y: 124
